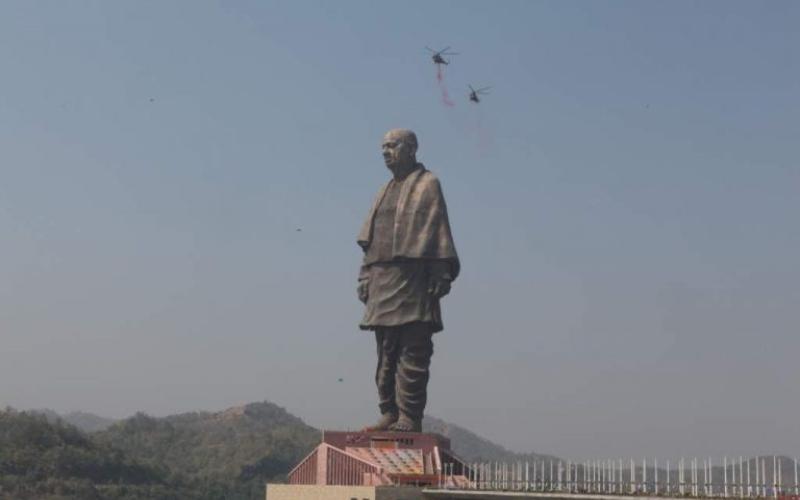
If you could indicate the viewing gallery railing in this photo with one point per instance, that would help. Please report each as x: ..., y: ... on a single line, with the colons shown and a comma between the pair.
x: 761, y: 477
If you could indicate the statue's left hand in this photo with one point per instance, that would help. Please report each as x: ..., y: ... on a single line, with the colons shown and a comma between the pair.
x: 439, y: 288
x: 363, y: 290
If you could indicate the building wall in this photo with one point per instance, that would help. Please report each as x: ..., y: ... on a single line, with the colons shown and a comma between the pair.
x: 321, y: 492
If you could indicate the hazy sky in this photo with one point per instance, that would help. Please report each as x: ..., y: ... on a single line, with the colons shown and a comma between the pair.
x: 625, y: 204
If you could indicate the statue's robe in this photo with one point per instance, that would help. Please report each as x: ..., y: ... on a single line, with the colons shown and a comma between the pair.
x: 407, y: 245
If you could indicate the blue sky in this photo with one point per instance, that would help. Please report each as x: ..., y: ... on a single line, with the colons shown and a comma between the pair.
x: 623, y: 203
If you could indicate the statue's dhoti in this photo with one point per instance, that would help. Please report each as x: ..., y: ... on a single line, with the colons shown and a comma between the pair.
x: 404, y: 356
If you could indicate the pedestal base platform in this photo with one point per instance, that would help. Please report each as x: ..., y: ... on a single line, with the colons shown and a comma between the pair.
x: 374, y: 458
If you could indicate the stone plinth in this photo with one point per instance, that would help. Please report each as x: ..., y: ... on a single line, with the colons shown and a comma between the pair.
x: 363, y: 458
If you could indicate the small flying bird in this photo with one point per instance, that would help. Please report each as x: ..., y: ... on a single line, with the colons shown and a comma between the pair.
x: 437, y: 55
x: 473, y: 94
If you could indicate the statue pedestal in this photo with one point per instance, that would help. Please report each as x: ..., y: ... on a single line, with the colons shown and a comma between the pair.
x: 373, y: 458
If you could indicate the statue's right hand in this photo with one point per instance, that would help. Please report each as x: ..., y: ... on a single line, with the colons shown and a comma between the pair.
x: 363, y: 290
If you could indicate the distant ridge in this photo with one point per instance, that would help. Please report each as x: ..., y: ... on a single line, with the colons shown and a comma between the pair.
x: 87, y: 422
x: 467, y: 444
x: 473, y: 448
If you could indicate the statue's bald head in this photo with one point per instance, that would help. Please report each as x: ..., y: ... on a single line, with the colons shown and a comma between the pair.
x: 400, y: 150
x: 404, y: 135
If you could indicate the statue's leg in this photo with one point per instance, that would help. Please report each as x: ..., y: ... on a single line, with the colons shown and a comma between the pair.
x: 387, y: 347
x: 412, y: 375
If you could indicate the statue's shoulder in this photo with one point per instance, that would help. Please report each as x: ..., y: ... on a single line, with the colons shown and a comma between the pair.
x: 427, y: 178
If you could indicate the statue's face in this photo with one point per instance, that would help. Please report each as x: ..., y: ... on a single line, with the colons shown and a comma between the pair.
x: 397, y: 151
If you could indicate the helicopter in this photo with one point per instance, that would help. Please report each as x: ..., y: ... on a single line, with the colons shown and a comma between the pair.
x: 437, y: 55
x: 473, y: 94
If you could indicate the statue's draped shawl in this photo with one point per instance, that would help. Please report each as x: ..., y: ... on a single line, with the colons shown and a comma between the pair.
x: 422, y: 228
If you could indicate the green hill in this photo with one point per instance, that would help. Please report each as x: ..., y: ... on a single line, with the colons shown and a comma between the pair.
x: 195, y: 456
x: 228, y: 454
x: 52, y: 460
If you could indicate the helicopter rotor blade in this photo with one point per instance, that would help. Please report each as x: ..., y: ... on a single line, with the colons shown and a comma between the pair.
x: 483, y: 90
x: 470, y: 87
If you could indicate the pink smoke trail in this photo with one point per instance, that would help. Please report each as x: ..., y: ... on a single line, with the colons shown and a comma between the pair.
x: 440, y: 79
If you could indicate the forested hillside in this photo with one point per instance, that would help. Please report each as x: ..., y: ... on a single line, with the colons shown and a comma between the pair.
x: 53, y: 460
x: 232, y: 452
x: 226, y: 455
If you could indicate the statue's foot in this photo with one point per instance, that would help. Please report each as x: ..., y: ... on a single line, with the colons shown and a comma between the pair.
x: 406, y: 424
x: 385, y: 422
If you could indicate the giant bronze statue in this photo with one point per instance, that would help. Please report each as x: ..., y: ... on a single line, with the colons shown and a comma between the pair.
x: 409, y: 263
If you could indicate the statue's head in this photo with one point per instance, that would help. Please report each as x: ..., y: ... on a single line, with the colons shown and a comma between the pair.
x: 399, y: 149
